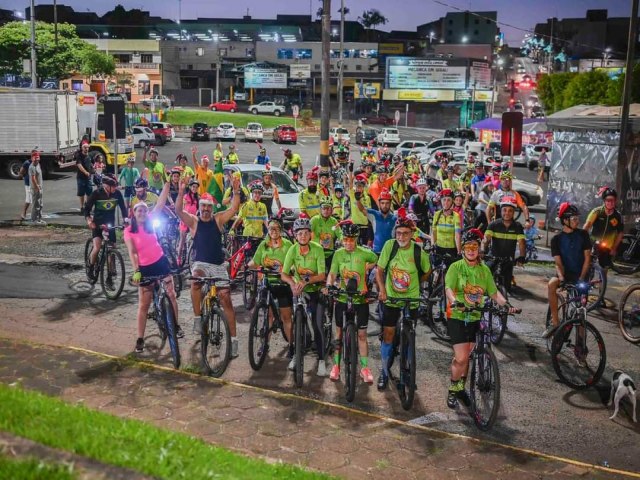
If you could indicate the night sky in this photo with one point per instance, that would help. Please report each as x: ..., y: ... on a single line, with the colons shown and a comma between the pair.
x: 405, y: 14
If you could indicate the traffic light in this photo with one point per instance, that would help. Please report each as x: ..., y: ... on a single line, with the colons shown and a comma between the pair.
x: 512, y: 102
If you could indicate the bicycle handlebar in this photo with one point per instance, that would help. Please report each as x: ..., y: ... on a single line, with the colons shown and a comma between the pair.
x: 489, y: 307
x: 208, y: 279
x: 334, y: 291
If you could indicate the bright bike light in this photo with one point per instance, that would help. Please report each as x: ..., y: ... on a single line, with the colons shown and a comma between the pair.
x: 156, y: 224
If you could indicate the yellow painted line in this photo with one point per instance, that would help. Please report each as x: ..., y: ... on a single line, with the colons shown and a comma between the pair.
x: 375, y: 416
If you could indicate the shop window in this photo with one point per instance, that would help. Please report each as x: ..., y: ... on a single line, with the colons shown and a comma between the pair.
x: 144, y: 87
x: 358, y: 67
x: 199, y: 52
x: 146, y: 58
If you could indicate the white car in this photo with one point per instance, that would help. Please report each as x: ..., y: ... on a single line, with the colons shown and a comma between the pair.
x: 253, y: 132
x: 240, y: 96
x: 438, y: 143
x: 142, y: 136
x: 339, y: 134
x: 226, y: 131
x: 267, y: 107
x: 414, y: 146
x: 287, y: 188
x: 388, y: 136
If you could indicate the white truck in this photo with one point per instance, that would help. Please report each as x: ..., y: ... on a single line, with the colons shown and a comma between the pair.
x: 46, y: 120
x: 267, y: 107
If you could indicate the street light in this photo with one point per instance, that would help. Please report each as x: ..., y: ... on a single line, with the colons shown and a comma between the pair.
x: 465, y: 39
x: 606, y: 55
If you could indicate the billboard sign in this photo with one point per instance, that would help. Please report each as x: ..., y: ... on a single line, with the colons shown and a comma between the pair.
x: 424, y: 74
x: 366, y: 90
x: 480, y: 75
x: 264, y: 78
x: 300, y: 71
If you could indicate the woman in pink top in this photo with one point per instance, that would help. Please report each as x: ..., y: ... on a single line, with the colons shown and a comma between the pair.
x: 148, y: 260
x: 191, y: 199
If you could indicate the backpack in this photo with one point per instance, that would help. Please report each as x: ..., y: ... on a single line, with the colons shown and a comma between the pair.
x: 417, y: 257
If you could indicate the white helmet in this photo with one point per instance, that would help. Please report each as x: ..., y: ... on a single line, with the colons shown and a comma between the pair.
x: 421, y: 181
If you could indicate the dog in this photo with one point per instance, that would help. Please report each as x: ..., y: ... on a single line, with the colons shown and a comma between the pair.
x: 622, y: 386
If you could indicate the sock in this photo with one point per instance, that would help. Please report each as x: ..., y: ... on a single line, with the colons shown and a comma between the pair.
x: 234, y: 339
x: 385, y: 353
x: 336, y: 358
x: 456, y: 385
x: 364, y: 361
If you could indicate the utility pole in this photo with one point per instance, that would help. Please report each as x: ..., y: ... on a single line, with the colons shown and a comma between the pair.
x: 341, y: 62
x: 34, y: 76
x: 626, y: 95
x: 55, y: 22
x: 325, y: 114
x: 550, y: 49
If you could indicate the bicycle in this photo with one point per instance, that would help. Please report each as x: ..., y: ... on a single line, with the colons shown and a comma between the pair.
x: 238, y: 264
x: 629, y: 314
x: 404, y: 347
x: 109, y: 266
x: 568, y: 353
x: 500, y: 323
x: 260, y: 328
x: 532, y: 249
x: 214, y: 329
x: 596, y: 278
x: 349, y: 336
x: 301, y: 336
x: 435, y: 298
x: 484, y: 378
x: 167, y: 233
x: 627, y: 260
x: 165, y: 317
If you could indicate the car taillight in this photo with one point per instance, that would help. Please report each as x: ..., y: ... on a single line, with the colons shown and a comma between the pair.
x: 206, y: 130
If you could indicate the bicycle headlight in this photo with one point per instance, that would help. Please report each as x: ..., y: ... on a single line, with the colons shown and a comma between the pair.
x: 156, y: 224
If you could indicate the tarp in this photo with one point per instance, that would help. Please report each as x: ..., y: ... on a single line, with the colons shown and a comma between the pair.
x: 495, y: 123
x: 593, y: 117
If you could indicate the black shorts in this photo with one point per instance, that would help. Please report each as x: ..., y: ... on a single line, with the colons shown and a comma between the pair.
x: 129, y: 192
x: 327, y: 262
x: 283, y: 294
x: 453, y: 252
x: 362, y: 314
x: 461, y: 331
x: 97, y: 233
x: 391, y: 315
x: 604, y: 257
x: 161, y: 267
x: 363, y: 238
x: 85, y: 186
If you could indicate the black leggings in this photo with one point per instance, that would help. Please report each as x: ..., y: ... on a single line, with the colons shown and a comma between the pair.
x: 316, y: 307
x: 481, y: 220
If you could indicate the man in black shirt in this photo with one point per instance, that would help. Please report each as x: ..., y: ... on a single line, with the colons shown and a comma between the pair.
x: 606, y: 226
x: 84, y: 165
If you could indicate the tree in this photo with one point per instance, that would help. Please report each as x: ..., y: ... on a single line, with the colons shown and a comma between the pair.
x: 614, y: 93
x: 70, y: 55
x: 559, y: 82
x: 372, y: 18
x: 588, y: 88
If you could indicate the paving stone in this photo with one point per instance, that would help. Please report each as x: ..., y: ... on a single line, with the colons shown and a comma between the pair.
x: 325, y: 460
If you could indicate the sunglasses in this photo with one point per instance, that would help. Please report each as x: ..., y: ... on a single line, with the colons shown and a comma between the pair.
x: 473, y: 247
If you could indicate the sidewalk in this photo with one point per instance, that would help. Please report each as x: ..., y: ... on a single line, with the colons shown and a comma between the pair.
x: 272, y: 425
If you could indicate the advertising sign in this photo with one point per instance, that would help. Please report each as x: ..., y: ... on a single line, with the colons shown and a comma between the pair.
x: 390, y: 48
x: 424, y: 74
x: 366, y: 90
x: 480, y: 74
x: 419, y: 95
x: 264, y: 78
x: 300, y: 70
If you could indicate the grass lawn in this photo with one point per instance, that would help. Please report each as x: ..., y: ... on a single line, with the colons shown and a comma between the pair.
x: 128, y: 443
x: 189, y: 117
x: 33, y: 469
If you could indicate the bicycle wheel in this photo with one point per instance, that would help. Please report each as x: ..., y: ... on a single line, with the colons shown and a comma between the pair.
x: 169, y: 321
x: 350, y: 360
x: 375, y: 317
x: 177, y: 277
x: 249, y: 288
x: 627, y: 260
x: 299, y: 335
x: 91, y: 278
x: 498, y: 322
x: 596, y: 295
x: 215, y: 342
x: 112, y: 274
x: 259, y: 336
x: 484, y: 388
x: 629, y: 314
x: 437, y: 315
x: 327, y: 328
x: 578, y: 353
x: 406, y: 383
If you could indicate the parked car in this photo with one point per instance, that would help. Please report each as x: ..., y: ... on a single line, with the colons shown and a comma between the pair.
x: 287, y: 188
x: 388, y: 136
x: 533, y: 152
x: 364, y: 135
x: 285, y: 133
x: 493, y: 151
x: 407, y: 146
x: 464, y: 133
x: 163, y: 131
x: 378, y: 120
x: 537, y: 112
x: 224, y: 106
x: 226, y: 131
x: 445, y: 142
x: 518, y: 107
x: 533, y: 100
x: 339, y: 133
x: 200, y: 131
x: 157, y: 100
x: 267, y: 107
x: 253, y: 132
x: 142, y: 136
x: 240, y: 96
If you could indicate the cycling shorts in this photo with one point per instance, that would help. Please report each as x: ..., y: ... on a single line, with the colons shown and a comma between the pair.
x: 161, y: 267
x: 361, y: 310
x: 283, y: 294
x: 129, y: 192
x: 391, y: 315
x: 97, y: 233
x: 461, y: 331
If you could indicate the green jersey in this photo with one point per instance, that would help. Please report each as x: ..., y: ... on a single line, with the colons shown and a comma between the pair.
x: 272, y: 258
x: 357, y: 216
x: 309, y: 202
x: 353, y: 265
x: 324, y: 233
x: 470, y: 285
x: 402, y: 273
x: 446, y: 227
x: 305, y: 265
x: 130, y: 175
x: 157, y: 174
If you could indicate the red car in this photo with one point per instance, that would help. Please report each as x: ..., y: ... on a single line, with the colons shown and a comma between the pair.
x: 378, y: 120
x: 285, y: 133
x: 224, y: 106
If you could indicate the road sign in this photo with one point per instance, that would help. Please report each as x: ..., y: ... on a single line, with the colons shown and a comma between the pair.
x: 511, y: 138
x: 295, y: 110
x: 397, y: 116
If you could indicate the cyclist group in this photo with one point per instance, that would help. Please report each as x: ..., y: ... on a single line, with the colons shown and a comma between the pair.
x: 363, y: 228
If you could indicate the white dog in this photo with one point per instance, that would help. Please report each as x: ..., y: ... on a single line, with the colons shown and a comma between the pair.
x: 622, y: 386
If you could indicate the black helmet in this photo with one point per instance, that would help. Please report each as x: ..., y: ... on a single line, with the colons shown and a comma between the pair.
x: 381, y: 169
x: 257, y: 186
x: 142, y: 183
x: 109, y: 179
x: 605, y: 192
x: 472, y: 235
x: 350, y: 230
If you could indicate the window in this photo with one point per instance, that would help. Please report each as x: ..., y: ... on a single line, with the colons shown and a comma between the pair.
x: 199, y: 52
x: 189, y: 67
x: 316, y: 66
x: 450, y: 22
x: 358, y: 67
x: 293, y: 53
x: 222, y: 52
x: 188, y: 83
x: 122, y: 58
x: 146, y: 58
x: 213, y: 66
x: 144, y: 87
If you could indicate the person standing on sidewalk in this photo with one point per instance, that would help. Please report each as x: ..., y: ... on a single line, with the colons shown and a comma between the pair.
x: 544, y: 166
x: 157, y: 171
x: 84, y: 164
x: 35, y: 184
x: 24, y: 173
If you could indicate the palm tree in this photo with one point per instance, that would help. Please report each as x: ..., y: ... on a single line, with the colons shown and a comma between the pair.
x: 372, y: 18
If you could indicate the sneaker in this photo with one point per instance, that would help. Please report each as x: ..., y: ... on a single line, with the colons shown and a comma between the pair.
x: 40, y: 222
x: 464, y: 397
x: 335, y: 373
x: 139, y: 345
x: 452, y: 399
x: 234, y: 348
x: 292, y: 364
x: 383, y: 381
x: 179, y: 332
x: 322, y: 368
x: 366, y: 375
x: 549, y: 331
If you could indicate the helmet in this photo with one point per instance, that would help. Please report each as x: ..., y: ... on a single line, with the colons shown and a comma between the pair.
x: 142, y: 183
x: 361, y: 179
x: 287, y: 152
x: 533, y: 219
x: 566, y: 210
x: 478, y: 164
x: 439, y: 154
x: 432, y: 183
x: 301, y: 224
x: 180, y: 156
x: 397, y: 158
x: 451, y: 169
x: 472, y: 235
x: 323, y: 173
x: 385, y: 195
x: 506, y: 175
x: 446, y: 192
x: 312, y: 176
x: 496, y: 169
x: 177, y: 170
x: 350, y: 229
x: 457, y: 194
x: 381, y: 169
x: 153, y: 150
x: 605, y: 192
x: 412, y: 216
x: 206, y: 199
x: 267, y: 171
x: 326, y: 201
x: 421, y: 182
x: 129, y: 159
x: 257, y: 186
x: 109, y: 179
x: 508, y: 202
x: 232, y: 147
x: 193, y: 181
x: 205, y: 158
x: 405, y: 223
